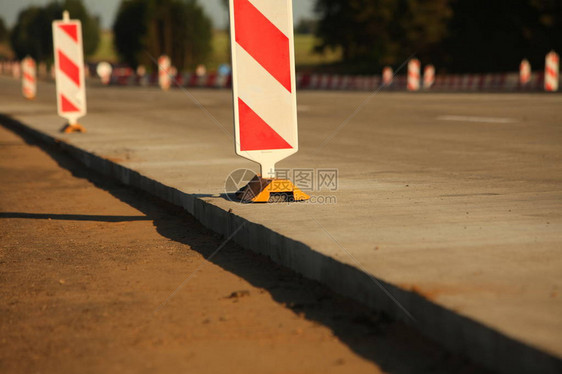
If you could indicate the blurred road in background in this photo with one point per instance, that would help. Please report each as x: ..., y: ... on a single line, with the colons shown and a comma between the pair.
x: 453, y: 200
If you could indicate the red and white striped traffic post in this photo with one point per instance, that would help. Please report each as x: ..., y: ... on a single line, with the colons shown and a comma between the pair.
x: 164, y: 79
x: 104, y: 70
x: 524, y: 73
x: 16, y: 70
x: 551, y: 72
x: 264, y: 92
x: 69, y: 72
x: 387, y: 76
x: 42, y: 70
x: 173, y: 73
x: 414, y: 72
x: 428, y: 77
x: 141, y: 75
x: 29, y: 78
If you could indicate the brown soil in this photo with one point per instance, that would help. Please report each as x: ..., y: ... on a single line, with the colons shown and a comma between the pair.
x: 90, y: 276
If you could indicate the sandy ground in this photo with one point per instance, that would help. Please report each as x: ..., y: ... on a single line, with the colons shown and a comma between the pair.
x: 97, y: 278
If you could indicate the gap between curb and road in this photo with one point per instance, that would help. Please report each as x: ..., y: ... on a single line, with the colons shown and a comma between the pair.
x: 455, y: 332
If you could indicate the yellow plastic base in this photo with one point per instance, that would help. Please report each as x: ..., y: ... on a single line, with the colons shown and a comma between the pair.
x: 69, y: 129
x: 268, y: 190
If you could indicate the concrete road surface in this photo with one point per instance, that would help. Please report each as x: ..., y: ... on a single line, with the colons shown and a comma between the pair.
x: 447, y: 211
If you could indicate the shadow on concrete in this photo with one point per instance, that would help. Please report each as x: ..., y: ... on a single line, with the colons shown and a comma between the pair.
x: 394, y: 347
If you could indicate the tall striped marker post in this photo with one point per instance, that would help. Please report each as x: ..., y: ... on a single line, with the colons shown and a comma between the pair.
x: 164, y: 78
x: 69, y: 72
x: 141, y: 74
x: 387, y: 76
x: 16, y: 70
x: 428, y: 77
x: 524, y: 73
x: 42, y: 70
x: 104, y: 70
x: 414, y: 73
x: 264, y: 92
x: 29, y: 78
x: 551, y: 72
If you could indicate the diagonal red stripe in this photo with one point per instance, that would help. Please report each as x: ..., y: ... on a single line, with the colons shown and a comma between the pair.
x: 255, y: 133
x: 263, y: 41
x: 67, y: 106
x: 70, y: 30
x: 69, y: 68
x: 28, y: 77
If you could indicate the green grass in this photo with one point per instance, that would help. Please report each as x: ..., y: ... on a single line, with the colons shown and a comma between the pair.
x: 221, y: 50
x: 304, y: 56
x: 106, y: 51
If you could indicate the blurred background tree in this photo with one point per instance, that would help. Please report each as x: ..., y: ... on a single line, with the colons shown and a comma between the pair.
x: 130, y: 29
x: 90, y: 24
x: 306, y: 26
x: 495, y: 35
x: 30, y: 36
x: 372, y: 33
x: 456, y: 35
x: 351, y: 36
x: 146, y: 29
x: 32, y: 33
x: 5, y: 51
x: 3, y: 30
x: 424, y: 24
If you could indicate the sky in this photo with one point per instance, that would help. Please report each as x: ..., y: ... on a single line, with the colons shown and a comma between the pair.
x: 106, y: 10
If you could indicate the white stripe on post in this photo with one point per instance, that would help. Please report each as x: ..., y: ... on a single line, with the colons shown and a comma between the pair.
x: 428, y: 77
x: 264, y: 82
x: 414, y: 72
x: 164, y: 66
x: 29, y: 78
x: 551, y: 72
x: 524, y: 72
x: 387, y: 76
x: 16, y: 70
